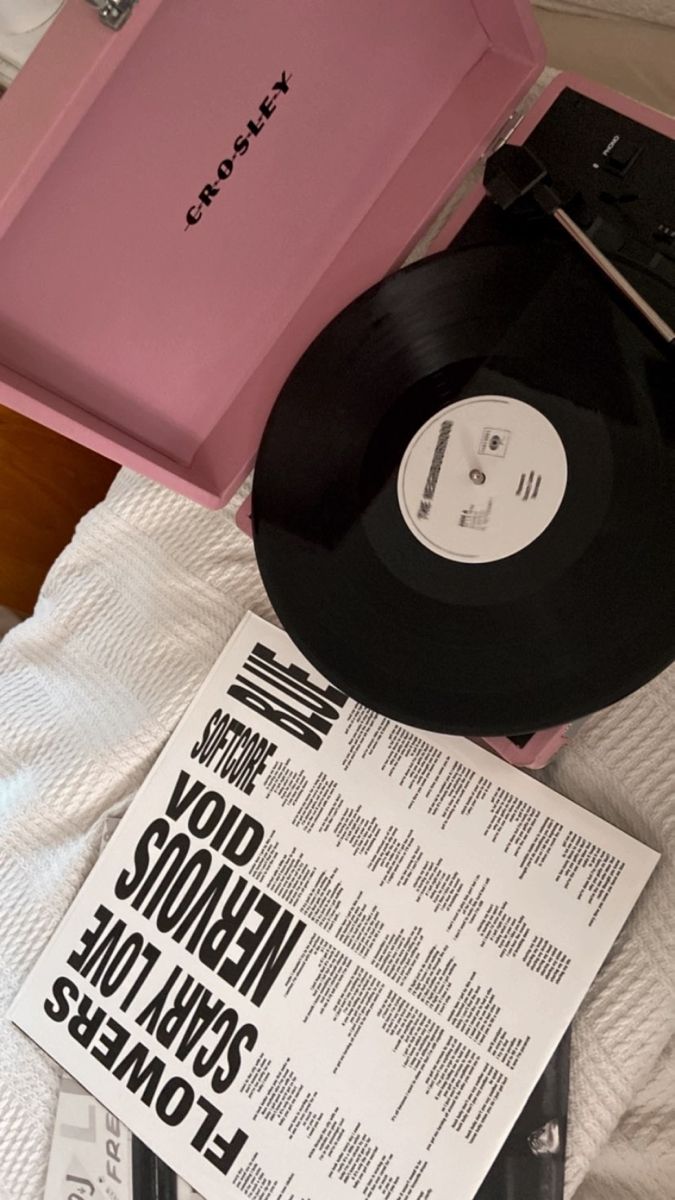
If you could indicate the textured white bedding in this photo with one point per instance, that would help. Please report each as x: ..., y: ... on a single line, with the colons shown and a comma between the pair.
x: 129, y: 621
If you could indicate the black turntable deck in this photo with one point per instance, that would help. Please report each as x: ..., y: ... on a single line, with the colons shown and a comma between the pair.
x: 508, y: 358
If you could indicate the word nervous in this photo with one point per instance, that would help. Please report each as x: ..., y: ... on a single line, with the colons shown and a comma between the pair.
x: 203, y: 904
x: 185, y: 883
x: 241, y: 145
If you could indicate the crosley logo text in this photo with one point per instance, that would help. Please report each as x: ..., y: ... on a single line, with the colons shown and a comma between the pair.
x: 240, y: 146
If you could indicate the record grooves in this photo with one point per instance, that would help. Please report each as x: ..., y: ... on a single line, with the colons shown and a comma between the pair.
x: 531, y: 361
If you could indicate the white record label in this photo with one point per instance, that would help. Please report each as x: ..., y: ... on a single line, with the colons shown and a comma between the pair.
x: 482, y: 479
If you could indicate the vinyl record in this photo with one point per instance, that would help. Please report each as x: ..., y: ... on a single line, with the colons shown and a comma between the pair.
x: 463, y: 501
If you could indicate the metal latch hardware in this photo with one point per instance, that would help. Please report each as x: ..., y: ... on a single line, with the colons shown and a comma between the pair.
x: 504, y: 133
x: 114, y: 13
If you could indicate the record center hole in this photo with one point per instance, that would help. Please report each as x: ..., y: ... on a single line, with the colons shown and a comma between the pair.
x: 477, y: 476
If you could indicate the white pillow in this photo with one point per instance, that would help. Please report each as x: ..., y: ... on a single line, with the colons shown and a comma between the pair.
x: 660, y: 11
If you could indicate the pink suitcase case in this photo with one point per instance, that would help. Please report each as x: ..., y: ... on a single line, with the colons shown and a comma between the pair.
x: 186, y: 202
x: 160, y: 342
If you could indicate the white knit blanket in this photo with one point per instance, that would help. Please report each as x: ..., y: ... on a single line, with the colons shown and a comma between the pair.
x: 129, y: 620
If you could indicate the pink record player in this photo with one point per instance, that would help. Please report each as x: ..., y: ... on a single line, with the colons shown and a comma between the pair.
x: 185, y: 201
x: 187, y: 197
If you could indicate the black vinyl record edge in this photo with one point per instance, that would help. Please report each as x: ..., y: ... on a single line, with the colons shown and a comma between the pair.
x: 287, y: 445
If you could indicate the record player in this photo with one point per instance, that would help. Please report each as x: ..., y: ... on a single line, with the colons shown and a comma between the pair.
x: 485, y: 506
x: 160, y: 281
x: 120, y: 331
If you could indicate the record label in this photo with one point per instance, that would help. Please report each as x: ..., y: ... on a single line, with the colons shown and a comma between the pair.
x: 482, y: 479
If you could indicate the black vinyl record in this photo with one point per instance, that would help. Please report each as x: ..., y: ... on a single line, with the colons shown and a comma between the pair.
x: 520, y: 582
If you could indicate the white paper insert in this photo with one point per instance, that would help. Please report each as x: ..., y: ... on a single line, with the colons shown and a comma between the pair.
x: 357, y: 958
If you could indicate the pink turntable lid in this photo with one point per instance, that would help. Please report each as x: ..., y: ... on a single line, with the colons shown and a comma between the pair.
x: 185, y: 202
